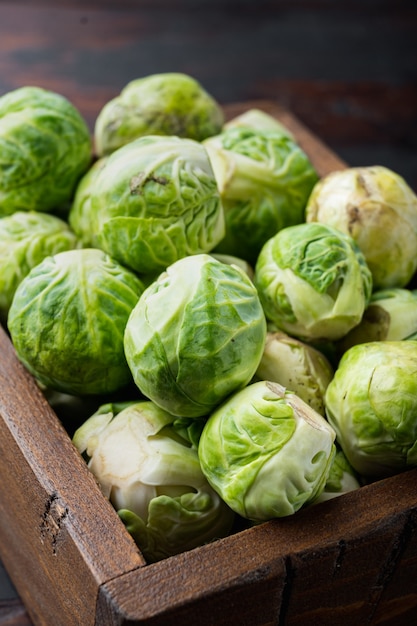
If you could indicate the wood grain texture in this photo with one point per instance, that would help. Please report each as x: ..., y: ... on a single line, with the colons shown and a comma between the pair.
x: 13, y: 613
x: 335, y: 563
x: 59, y: 539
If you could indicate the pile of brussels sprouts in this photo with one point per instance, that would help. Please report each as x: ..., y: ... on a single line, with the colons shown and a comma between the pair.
x: 227, y: 336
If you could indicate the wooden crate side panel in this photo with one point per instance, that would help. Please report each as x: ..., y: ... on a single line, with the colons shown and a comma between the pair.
x: 344, y: 583
x: 398, y: 599
x: 335, y: 559
x: 222, y: 583
x: 59, y: 538
x: 41, y: 558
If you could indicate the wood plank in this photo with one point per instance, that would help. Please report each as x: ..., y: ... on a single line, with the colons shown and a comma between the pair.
x: 331, y: 563
x: 59, y: 538
x: 353, y: 110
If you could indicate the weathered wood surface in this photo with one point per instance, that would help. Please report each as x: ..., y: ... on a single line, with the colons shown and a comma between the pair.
x: 59, y: 539
x: 347, y: 69
x: 361, y: 570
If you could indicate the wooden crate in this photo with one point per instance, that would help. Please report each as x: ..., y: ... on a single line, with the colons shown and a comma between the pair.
x: 350, y: 560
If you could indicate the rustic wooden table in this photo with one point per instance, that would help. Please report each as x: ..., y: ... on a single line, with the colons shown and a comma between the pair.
x: 348, y: 70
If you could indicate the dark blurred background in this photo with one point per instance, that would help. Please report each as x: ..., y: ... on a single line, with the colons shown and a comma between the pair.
x: 346, y: 68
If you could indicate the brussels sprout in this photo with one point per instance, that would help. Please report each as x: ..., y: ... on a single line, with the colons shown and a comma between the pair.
x: 342, y: 478
x: 67, y: 321
x: 159, y: 104
x: 259, y: 120
x: 264, y: 179
x: 26, y: 238
x: 266, y: 452
x: 79, y: 216
x: 153, y: 478
x: 372, y: 405
x: 313, y: 281
x: 234, y: 260
x: 391, y: 315
x: 155, y: 201
x: 45, y: 147
x: 376, y: 207
x: 297, y: 366
x: 195, y: 336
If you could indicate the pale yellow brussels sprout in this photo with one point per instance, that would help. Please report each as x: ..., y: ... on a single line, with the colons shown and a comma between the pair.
x: 391, y: 315
x: 377, y: 208
x: 297, y: 366
x: 152, y: 476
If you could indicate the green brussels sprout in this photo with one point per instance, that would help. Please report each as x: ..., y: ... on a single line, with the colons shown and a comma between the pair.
x: 259, y: 120
x: 45, y: 147
x: 155, y: 201
x: 264, y: 179
x: 266, y: 452
x: 372, y: 405
x: 376, y: 207
x: 342, y: 478
x: 26, y: 238
x: 67, y: 321
x: 79, y: 216
x: 153, y: 478
x: 195, y: 336
x: 159, y: 104
x: 297, y: 366
x: 313, y: 281
x: 234, y: 260
x: 391, y: 315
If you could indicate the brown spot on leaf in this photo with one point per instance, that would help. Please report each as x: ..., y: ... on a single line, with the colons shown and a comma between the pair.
x: 138, y: 181
x: 354, y: 217
x: 362, y: 181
